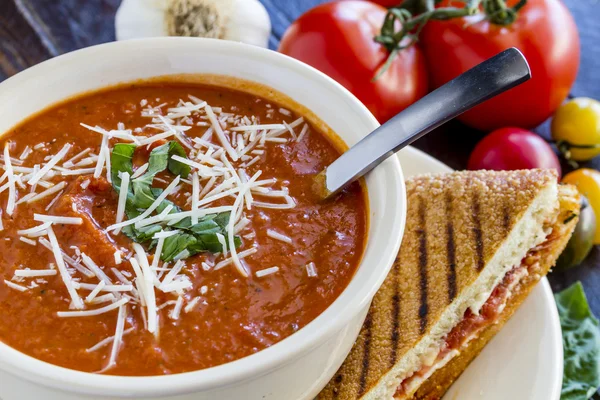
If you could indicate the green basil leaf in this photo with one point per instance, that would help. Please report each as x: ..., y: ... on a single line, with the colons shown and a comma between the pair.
x: 163, y: 204
x: 174, y: 245
x: 581, y: 342
x: 222, y: 219
x: 141, y: 235
x: 129, y: 231
x: 131, y: 211
x: 206, y: 227
x: 121, y: 161
x: 177, y: 167
x: 142, y: 192
x: 211, y: 242
x: 186, y: 223
x: 158, y: 160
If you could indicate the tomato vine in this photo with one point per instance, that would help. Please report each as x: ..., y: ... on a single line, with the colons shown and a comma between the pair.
x: 404, y: 22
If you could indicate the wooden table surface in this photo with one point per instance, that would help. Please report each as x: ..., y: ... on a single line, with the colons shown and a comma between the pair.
x: 32, y: 31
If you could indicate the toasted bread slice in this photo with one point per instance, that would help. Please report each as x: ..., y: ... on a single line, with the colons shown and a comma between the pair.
x: 441, y: 380
x: 465, y: 231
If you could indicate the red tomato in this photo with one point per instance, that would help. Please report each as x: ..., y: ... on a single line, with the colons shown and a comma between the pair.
x: 337, y: 39
x: 513, y: 148
x: 546, y: 34
x: 388, y: 3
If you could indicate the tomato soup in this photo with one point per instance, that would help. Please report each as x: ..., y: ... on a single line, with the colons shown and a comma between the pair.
x: 159, y: 228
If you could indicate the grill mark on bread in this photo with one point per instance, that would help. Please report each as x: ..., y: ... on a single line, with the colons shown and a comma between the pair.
x: 366, y: 354
x: 395, y: 315
x: 506, y: 217
x: 422, y: 233
x: 337, y: 383
x: 478, y: 235
x: 450, y: 251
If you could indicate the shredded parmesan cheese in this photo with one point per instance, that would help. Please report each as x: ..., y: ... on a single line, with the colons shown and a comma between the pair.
x: 118, y: 338
x: 123, y: 191
x: 94, y: 292
x: 12, y: 194
x: 89, y: 313
x: 177, y: 309
x: 60, y: 263
x: 220, y: 134
x: 106, y: 341
x: 15, y: 286
x: 95, y: 268
x: 30, y: 273
x: 311, y: 270
x: 278, y: 236
x: 50, y: 164
x: 56, y: 188
x: 57, y: 219
x: 267, y: 271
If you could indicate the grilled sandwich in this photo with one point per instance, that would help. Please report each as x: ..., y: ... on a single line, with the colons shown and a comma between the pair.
x: 475, y: 244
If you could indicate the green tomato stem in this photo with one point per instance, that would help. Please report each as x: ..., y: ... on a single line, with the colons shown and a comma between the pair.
x: 403, y: 23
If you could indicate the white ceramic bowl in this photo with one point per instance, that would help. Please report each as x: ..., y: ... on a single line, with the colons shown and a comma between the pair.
x: 297, y: 367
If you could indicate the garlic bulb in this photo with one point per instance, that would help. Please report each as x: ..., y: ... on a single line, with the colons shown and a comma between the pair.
x: 239, y: 20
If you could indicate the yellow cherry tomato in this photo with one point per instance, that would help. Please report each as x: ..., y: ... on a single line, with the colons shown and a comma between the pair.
x: 588, y: 184
x: 577, y: 124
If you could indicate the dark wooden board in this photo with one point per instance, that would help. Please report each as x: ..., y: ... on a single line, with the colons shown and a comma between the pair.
x: 34, y: 30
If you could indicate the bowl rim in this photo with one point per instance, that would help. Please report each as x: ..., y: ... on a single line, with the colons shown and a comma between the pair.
x: 356, y: 296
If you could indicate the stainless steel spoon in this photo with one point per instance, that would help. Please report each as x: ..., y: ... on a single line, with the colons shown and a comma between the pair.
x: 486, y: 80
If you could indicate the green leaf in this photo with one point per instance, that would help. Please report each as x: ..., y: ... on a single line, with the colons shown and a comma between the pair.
x: 581, y: 342
x: 121, y: 161
x: 142, y: 192
x: 158, y: 160
x: 143, y: 196
x: 211, y: 243
x: 205, y: 224
x: 163, y: 204
x: 131, y: 211
x: 177, y: 167
x: 174, y: 245
x: 141, y: 235
x: 206, y: 227
x: 222, y: 219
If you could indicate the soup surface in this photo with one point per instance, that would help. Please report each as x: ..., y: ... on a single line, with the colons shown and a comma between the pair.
x: 215, y: 250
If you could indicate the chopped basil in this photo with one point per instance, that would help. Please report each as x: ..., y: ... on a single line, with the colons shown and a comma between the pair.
x: 158, y: 161
x: 177, y: 167
x: 175, y: 244
x: 144, y: 234
x: 205, y: 233
x: 160, y: 158
x: 121, y: 161
x: 142, y: 192
x: 581, y: 343
x: 193, y: 239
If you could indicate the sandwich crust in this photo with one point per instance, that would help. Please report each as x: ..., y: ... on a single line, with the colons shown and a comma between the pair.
x: 455, y: 224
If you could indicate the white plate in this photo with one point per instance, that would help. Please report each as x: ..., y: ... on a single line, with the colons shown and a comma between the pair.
x: 525, y: 360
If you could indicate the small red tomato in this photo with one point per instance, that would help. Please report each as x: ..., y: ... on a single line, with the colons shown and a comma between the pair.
x: 513, y: 148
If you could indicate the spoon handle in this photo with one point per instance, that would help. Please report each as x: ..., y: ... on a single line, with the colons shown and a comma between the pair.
x: 488, y: 79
